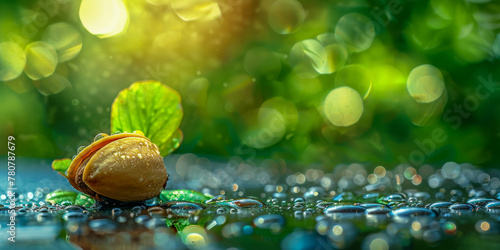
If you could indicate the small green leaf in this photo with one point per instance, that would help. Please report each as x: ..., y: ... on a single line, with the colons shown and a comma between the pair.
x: 153, y: 108
x: 59, y: 196
x: 183, y: 195
x: 61, y: 165
x: 84, y: 200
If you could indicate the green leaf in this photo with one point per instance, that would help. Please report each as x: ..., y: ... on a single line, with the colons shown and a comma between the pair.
x: 59, y: 196
x: 153, y: 108
x: 183, y: 195
x: 84, y: 200
x: 181, y: 224
x: 174, y: 142
x: 61, y: 165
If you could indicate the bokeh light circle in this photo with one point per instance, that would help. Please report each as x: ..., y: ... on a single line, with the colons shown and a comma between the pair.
x: 103, y: 18
x: 41, y: 60
x: 343, y: 106
x: 12, y: 61
x: 196, y: 10
x: 65, y: 39
x: 356, y: 30
x: 336, y: 57
x: 270, y: 129
x: 425, y: 83
x: 286, y: 16
x: 285, y: 107
x: 307, y: 58
x: 52, y: 84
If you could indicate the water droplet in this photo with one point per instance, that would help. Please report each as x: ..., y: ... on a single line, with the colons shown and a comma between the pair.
x: 184, y: 208
x: 75, y: 216
x: 152, y: 202
x: 156, y: 211
x: 99, y: 136
x: 406, y: 214
x: 116, y: 211
x: 394, y: 198
x: 462, y: 209
x: 66, y: 203
x: 493, y: 207
x: 314, y: 194
x: 137, y: 209
x: 345, y: 196
x: 80, y: 149
x: 370, y: 197
x: 479, y: 202
x: 221, y: 210
x: 245, y: 203
x: 338, y: 212
x: 441, y: 206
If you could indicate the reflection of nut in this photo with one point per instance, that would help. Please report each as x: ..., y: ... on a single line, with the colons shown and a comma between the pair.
x: 124, y: 167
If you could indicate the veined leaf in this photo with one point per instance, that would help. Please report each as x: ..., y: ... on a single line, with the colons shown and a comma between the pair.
x: 153, y: 108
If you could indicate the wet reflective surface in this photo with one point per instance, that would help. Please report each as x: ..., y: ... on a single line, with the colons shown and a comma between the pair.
x: 343, y: 208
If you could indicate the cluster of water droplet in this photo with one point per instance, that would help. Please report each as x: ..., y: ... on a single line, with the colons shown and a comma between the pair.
x: 353, y: 206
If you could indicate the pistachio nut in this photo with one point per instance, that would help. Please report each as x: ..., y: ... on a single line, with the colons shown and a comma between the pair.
x: 124, y: 167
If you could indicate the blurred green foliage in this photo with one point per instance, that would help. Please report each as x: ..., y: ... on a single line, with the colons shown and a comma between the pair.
x: 243, y: 94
